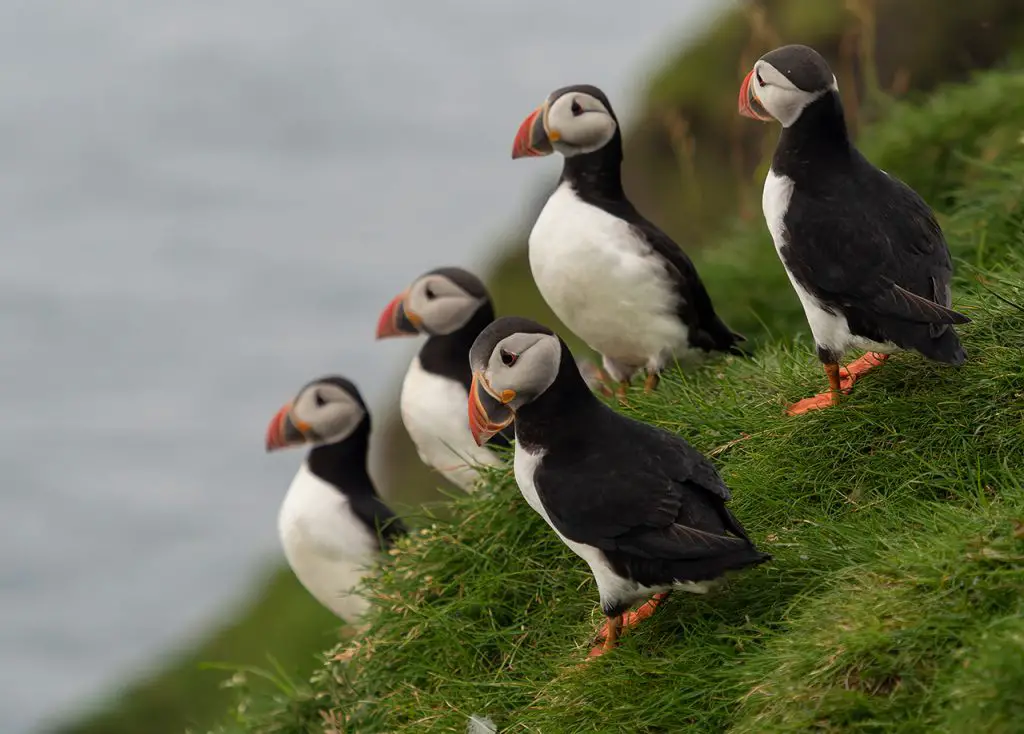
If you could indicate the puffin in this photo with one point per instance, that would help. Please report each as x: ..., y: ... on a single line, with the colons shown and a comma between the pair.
x: 643, y: 508
x: 610, y: 275
x: 452, y: 306
x: 332, y: 524
x: 862, y: 250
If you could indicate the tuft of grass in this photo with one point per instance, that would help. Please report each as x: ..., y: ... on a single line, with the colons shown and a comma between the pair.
x: 896, y: 522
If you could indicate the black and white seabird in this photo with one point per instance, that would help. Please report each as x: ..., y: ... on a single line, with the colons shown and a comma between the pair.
x: 452, y: 306
x: 863, y: 251
x: 615, y: 279
x: 644, y: 509
x: 332, y: 523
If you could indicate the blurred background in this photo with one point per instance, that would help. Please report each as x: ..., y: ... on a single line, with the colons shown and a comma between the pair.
x: 205, y: 205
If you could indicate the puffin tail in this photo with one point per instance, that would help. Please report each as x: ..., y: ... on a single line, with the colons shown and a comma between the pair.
x: 945, y: 347
x: 729, y: 341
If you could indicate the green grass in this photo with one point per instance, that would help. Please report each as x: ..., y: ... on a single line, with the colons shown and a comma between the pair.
x: 895, y: 597
x: 935, y: 146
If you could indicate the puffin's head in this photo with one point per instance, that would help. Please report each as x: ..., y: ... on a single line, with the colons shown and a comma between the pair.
x: 438, y: 302
x: 327, y: 410
x: 514, y: 360
x: 783, y: 82
x: 572, y: 121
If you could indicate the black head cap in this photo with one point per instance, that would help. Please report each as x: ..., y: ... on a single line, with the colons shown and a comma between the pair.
x: 339, y: 382
x: 464, y: 280
x: 497, y: 330
x: 585, y: 89
x: 803, y: 66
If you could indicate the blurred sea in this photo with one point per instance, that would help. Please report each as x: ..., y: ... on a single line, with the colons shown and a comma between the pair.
x: 203, y: 205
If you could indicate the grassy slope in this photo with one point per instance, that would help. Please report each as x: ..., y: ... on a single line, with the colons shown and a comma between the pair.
x: 698, y: 88
x: 894, y: 600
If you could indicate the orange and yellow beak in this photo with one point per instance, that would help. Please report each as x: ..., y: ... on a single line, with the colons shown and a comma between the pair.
x: 487, y: 414
x: 397, y: 320
x: 285, y: 431
x: 749, y: 105
x: 533, y: 138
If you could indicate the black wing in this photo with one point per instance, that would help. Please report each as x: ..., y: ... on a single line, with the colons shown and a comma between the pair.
x: 694, y: 306
x: 886, y: 256
x: 377, y: 516
x: 640, y: 490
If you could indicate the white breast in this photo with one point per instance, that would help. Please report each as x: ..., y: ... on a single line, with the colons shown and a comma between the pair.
x: 604, y: 282
x: 611, y: 587
x: 326, y: 545
x: 435, y: 413
x: 830, y: 330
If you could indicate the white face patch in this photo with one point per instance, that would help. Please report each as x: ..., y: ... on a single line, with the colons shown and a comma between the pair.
x: 579, y: 123
x: 525, y: 363
x: 778, y: 95
x: 330, y: 412
x: 441, y: 305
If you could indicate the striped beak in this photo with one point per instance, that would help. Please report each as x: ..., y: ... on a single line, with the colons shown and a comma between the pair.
x: 749, y: 104
x: 396, y: 320
x: 533, y: 139
x: 487, y: 414
x: 285, y: 431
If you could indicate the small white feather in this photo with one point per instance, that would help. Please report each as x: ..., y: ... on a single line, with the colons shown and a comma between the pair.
x: 480, y: 725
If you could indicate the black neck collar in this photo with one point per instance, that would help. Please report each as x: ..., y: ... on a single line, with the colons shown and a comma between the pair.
x: 447, y: 355
x: 597, y: 175
x: 343, y: 464
x: 818, y: 138
x: 540, y: 423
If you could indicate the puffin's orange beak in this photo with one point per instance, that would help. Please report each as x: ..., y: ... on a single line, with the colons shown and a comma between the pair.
x: 285, y: 431
x: 484, y: 407
x: 749, y: 104
x: 396, y: 320
x: 532, y: 138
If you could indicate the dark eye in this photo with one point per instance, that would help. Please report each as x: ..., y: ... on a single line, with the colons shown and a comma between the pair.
x: 429, y: 293
x: 757, y: 75
x: 576, y: 109
x: 320, y: 402
x: 508, y: 358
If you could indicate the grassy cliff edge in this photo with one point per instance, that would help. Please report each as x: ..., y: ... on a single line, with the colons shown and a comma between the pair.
x: 896, y: 521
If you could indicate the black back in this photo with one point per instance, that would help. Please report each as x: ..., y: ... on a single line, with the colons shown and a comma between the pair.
x: 596, y: 178
x: 862, y: 242
x: 343, y: 466
x: 653, y: 504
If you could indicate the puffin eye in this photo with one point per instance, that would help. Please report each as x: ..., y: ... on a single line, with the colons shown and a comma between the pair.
x: 576, y: 109
x: 508, y: 358
x: 757, y: 75
x: 320, y: 402
x: 429, y: 293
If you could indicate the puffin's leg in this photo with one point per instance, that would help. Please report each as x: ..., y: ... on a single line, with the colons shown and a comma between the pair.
x: 822, y: 400
x: 651, y: 383
x: 611, y: 636
x: 860, y: 367
x: 597, y: 378
x: 631, y: 619
x: 621, y: 373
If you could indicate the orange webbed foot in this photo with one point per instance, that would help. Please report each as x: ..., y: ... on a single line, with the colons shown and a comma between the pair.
x: 860, y: 367
x: 818, y: 402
